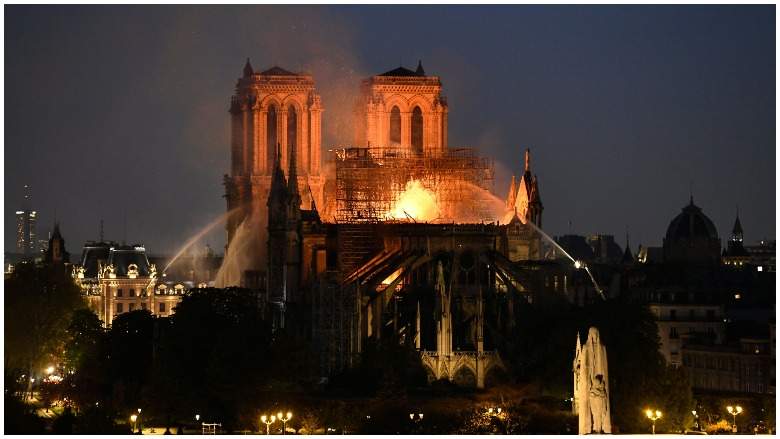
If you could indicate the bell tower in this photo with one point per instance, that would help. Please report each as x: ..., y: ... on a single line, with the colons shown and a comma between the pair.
x: 269, y: 108
x: 402, y: 109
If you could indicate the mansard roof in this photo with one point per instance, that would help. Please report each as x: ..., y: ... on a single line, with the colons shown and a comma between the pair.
x: 123, y: 256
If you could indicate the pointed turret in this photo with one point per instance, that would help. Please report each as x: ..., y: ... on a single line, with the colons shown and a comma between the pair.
x: 736, y: 232
x: 292, y: 174
x: 248, y: 71
x: 420, y: 71
x: 527, y: 160
x: 628, y: 256
x: 512, y: 196
x: 278, y: 195
x: 56, y: 253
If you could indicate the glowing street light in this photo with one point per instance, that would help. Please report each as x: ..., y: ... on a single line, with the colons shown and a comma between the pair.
x: 734, y: 411
x: 419, y: 416
x: 138, y: 417
x: 695, y: 418
x: 265, y: 420
x: 49, y: 370
x: 653, y: 416
x: 494, y: 411
x: 134, y: 420
x: 284, y: 420
x: 577, y: 265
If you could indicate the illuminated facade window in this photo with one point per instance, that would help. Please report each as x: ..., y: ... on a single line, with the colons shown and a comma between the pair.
x: 395, y: 125
x: 417, y: 131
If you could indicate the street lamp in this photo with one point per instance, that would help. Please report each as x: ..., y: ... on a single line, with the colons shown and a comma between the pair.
x: 695, y: 419
x: 494, y: 411
x: 653, y: 416
x: 139, y: 423
x: 134, y: 419
x: 284, y: 420
x: 419, y: 416
x: 265, y: 420
x: 734, y: 411
x: 197, y: 418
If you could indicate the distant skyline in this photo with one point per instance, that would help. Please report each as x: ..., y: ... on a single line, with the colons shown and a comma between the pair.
x: 120, y: 112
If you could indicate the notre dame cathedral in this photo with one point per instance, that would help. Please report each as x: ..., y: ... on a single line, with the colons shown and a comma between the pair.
x: 337, y: 270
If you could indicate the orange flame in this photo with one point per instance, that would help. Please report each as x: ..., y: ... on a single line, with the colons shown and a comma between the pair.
x: 417, y: 202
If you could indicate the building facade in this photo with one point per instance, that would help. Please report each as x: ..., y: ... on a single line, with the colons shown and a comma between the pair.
x: 116, y: 279
x: 272, y: 109
x: 402, y: 109
x: 26, y: 241
x: 745, y: 367
x: 682, y: 321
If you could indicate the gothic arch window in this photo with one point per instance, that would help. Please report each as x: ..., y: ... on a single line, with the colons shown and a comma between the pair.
x: 271, y: 138
x: 417, y: 131
x: 395, y: 125
x: 292, y: 134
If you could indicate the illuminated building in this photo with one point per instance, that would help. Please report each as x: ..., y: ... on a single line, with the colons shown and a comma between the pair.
x: 735, y: 254
x: 118, y: 278
x: 270, y: 109
x: 26, y: 243
x: 409, y: 242
x: 402, y: 109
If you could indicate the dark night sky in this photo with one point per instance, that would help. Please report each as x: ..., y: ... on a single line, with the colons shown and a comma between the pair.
x: 121, y: 111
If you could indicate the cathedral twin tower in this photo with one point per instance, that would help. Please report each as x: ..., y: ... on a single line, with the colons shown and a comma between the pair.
x: 274, y: 108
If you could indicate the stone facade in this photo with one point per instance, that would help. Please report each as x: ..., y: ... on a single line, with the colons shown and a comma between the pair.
x: 269, y: 109
x: 116, y: 279
x: 402, y: 108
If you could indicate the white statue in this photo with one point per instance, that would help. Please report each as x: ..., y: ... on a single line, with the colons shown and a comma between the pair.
x: 591, y: 385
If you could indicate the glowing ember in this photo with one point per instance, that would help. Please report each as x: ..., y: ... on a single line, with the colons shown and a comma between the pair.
x: 417, y: 202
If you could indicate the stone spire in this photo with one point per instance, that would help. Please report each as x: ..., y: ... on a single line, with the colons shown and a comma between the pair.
x: 736, y: 232
x: 278, y: 195
x: 512, y: 196
x: 628, y: 256
x: 527, y: 160
x: 420, y: 71
x: 248, y: 71
x: 292, y: 174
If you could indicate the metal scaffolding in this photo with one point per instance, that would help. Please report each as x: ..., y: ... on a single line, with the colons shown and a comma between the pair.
x: 370, y: 180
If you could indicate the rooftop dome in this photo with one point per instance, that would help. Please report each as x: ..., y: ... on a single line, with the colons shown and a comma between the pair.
x: 690, y: 224
x: 691, y: 238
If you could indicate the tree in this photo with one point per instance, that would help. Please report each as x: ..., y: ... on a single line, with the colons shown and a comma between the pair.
x: 130, y: 352
x: 86, y: 358
x: 39, y: 300
x: 214, y: 357
x: 675, y: 399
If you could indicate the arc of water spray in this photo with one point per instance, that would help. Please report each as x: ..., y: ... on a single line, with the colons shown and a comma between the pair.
x: 577, y: 264
x: 220, y: 219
